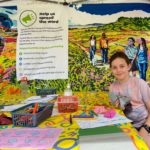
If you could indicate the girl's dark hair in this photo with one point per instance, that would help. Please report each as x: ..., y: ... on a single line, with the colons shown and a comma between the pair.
x: 131, y: 38
x: 143, y: 43
x: 119, y: 54
x: 91, y: 37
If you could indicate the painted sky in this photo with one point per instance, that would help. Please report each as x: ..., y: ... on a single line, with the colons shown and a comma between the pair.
x: 8, y: 9
x: 11, y: 11
x: 106, y: 13
x: 107, y: 9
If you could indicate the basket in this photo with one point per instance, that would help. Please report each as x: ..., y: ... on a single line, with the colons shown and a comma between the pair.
x: 67, y: 104
x: 21, y: 117
x: 44, y: 92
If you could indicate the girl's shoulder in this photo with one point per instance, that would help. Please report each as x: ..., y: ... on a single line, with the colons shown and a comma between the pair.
x: 113, y: 85
x: 137, y: 82
x: 132, y: 83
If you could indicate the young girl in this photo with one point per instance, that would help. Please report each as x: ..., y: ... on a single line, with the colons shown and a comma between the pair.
x: 134, y: 92
x: 142, y: 56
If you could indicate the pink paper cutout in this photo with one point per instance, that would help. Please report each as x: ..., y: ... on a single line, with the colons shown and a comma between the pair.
x: 100, y: 109
x: 110, y: 113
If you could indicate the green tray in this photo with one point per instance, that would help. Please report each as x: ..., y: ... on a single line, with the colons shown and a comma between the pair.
x: 100, y: 130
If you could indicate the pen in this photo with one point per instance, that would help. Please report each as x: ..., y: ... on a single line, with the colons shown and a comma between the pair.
x: 35, y: 108
x: 70, y: 119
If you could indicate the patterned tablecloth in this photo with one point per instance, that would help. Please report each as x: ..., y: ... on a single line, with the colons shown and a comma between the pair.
x: 69, y: 138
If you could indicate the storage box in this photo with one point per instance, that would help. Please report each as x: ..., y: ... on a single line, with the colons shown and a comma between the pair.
x: 44, y: 92
x: 67, y: 104
x: 21, y: 116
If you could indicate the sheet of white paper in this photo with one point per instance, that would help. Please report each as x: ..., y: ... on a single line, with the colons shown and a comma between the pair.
x: 12, y: 107
x: 102, y: 121
x: 112, y: 141
x: 40, y: 99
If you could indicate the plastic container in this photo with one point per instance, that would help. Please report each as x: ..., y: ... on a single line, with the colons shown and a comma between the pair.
x: 68, y: 91
x: 67, y: 104
x: 21, y: 117
x: 44, y: 92
x: 24, y: 86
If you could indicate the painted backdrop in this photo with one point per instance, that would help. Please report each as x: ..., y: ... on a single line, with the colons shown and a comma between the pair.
x: 117, y: 21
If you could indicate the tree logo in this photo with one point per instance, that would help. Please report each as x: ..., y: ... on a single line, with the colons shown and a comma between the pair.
x: 28, y: 18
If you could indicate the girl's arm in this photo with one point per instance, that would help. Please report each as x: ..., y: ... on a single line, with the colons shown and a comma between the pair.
x: 100, y: 45
x: 148, y: 108
x: 145, y: 92
x: 90, y: 43
x: 143, y: 132
x: 146, y: 52
x: 135, y: 56
x: 123, y: 45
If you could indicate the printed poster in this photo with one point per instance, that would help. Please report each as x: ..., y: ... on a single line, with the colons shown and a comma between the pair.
x: 42, y: 45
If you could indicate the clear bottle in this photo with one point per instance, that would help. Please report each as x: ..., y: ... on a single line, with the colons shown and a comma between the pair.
x: 24, y: 86
x: 68, y: 91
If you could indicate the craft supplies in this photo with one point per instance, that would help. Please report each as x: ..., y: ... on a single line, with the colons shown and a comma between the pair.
x: 100, y: 109
x: 40, y: 99
x: 5, y: 120
x: 93, y: 113
x: 45, y: 92
x: 24, y: 86
x: 70, y: 119
x: 32, y: 114
x: 102, y: 121
x: 35, y: 108
x: 68, y: 91
x: 67, y: 104
x: 83, y: 116
x: 110, y: 113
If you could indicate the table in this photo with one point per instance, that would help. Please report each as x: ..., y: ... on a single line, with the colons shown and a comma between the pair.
x: 70, y: 139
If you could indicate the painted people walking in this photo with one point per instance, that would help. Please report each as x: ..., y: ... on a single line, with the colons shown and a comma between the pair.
x: 131, y: 51
x: 104, y: 48
x: 142, y: 57
x: 92, y: 48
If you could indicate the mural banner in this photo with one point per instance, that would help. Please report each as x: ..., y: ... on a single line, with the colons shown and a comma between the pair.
x: 44, y: 52
x: 96, y: 32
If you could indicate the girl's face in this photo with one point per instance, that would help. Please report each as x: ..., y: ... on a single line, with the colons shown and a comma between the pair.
x: 139, y: 41
x: 120, y: 69
x: 130, y: 42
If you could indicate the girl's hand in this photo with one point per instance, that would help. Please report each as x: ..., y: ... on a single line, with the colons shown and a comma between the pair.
x: 145, y: 135
x: 132, y: 61
x: 117, y: 103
